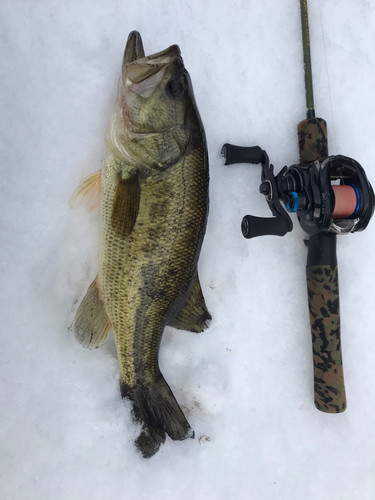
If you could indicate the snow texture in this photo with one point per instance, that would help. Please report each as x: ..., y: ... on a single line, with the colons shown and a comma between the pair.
x: 246, y: 384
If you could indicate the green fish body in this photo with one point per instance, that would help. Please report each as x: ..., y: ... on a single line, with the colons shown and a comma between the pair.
x: 153, y: 193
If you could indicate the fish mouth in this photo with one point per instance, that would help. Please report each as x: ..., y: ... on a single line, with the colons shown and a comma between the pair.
x: 134, y: 48
x: 137, y: 67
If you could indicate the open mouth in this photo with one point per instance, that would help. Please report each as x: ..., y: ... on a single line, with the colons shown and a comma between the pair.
x: 139, y: 67
x: 142, y: 74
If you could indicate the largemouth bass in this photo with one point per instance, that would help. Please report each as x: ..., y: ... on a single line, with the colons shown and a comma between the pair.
x: 152, y: 191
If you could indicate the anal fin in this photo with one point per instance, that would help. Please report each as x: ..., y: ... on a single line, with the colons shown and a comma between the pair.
x: 91, y: 324
x: 194, y: 314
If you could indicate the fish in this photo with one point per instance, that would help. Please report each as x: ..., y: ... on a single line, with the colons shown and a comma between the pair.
x: 153, y: 199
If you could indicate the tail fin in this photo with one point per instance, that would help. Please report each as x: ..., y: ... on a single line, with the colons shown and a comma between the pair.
x: 157, y: 409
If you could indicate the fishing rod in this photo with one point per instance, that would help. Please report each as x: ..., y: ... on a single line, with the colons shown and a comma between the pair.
x: 331, y: 196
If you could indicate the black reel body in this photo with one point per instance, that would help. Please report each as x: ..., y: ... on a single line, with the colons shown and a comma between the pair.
x: 308, y: 190
x: 330, y: 195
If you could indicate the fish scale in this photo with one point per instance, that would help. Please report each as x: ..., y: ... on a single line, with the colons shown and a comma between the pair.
x: 149, y: 258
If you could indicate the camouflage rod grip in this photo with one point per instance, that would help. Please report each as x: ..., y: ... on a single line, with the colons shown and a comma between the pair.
x: 324, y: 307
x: 312, y: 140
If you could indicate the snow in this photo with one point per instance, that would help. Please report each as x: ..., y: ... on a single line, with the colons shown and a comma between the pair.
x: 246, y: 383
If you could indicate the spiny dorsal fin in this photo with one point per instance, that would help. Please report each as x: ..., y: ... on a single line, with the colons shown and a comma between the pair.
x: 194, y: 314
x: 87, y: 193
x: 91, y: 324
x: 126, y: 204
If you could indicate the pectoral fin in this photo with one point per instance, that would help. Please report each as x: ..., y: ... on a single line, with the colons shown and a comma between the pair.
x: 126, y: 204
x: 194, y: 315
x: 87, y: 193
x: 91, y: 324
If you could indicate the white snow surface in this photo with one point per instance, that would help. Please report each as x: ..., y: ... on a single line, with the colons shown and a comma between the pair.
x: 246, y: 383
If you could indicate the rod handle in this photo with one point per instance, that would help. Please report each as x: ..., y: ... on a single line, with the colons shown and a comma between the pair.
x: 324, y: 308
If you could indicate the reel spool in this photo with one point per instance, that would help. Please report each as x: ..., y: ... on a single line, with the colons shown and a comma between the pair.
x: 346, y: 202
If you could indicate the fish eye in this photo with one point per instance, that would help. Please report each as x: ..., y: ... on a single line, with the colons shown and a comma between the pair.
x: 175, y: 87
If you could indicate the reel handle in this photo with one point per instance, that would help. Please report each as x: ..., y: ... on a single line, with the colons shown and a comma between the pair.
x: 238, y: 154
x: 324, y: 307
x: 252, y: 226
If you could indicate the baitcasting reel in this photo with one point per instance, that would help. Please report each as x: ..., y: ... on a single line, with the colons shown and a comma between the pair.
x: 331, y: 196
x: 308, y: 190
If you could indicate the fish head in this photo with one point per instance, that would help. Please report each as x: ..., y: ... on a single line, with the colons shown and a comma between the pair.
x: 157, y: 104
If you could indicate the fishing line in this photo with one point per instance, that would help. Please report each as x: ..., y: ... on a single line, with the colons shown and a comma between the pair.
x: 346, y: 202
x: 346, y: 197
x: 329, y: 82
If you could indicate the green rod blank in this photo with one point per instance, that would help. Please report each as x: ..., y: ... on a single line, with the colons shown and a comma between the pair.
x: 307, y: 60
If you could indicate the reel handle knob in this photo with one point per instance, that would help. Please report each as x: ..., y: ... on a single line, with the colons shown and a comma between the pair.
x: 238, y: 154
x: 252, y: 226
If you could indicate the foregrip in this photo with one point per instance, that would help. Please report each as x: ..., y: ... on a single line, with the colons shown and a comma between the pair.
x: 312, y: 140
x: 324, y: 307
